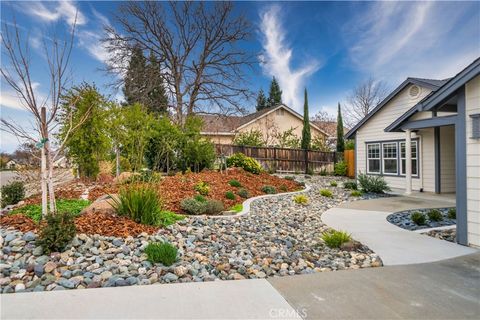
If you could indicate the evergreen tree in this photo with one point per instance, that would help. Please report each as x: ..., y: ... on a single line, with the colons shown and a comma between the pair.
x: 340, y: 139
x: 261, y: 101
x: 306, y: 134
x: 275, y: 94
x: 134, y: 81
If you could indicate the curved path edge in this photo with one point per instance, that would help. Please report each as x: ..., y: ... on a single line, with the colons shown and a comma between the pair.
x: 394, y: 245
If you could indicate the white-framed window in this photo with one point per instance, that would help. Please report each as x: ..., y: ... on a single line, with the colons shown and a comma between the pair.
x: 414, y: 146
x: 373, y: 158
x: 390, y: 159
x: 280, y: 112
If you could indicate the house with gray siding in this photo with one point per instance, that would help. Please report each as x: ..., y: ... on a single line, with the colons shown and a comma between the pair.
x: 425, y: 137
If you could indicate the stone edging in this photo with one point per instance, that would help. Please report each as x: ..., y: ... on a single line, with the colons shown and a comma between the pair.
x: 247, y: 203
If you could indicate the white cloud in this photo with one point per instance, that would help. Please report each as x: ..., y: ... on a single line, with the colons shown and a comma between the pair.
x: 91, y: 41
x: 54, y: 11
x: 277, y: 58
x: 394, y: 40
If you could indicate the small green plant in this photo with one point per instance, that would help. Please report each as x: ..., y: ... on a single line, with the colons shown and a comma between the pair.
x: 372, y: 184
x: 195, y: 207
x: 435, y: 215
x: 200, y: 198
x: 235, y: 183
x: 57, y: 233
x: 12, y: 193
x: 203, y: 188
x: 452, y: 213
x: 243, y: 193
x: 418, y: 218
x: 247, y: 163
x: 333, y: 183
x: 269, y: 190
x: 356, y: 193
x: 214, y: 207
x: 340, y: 168
x: 230, y: 195
x: 34, y: 211
x: 289, y: 178
x: 283, y: 188
x: 326, y: 193
x: 334, y: 238
x: 237, y: 208
x: 162, y: 252
x: 166, y: 218
x: 351, y: 185
x: 301, y: 199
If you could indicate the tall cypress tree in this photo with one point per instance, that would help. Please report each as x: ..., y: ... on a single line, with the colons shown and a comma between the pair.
x: 275, y: 94
x: 306, y: 134
x: 261, y: 101
x: 155, y: 99
x: 134, y: 81
x: 340, y: 139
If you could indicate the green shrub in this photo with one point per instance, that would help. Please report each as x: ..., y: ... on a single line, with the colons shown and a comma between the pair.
x: 57, y: 233
x: 326, y: 193
x: 340, y: 168
x: 200, y: 198
x: 140, y: 203
x: 12, y: 193
x: 243, y: 193
x: 237, y: 208
x: 34, y: 211
x: 269, y: 190
x: 452, y: 213
x: 350, y: 144
x: 203, y: 188
x: 334, y: 238
x: 351, y: 185
x: 242, y: 161
x: 162, y: 252
x: 418, y: 218
x: 230, y: 195
x: 166, y: 218
x: 333, y: 183
x: 356, y: 193
x: 300, y: 199
x: 435, y: 215
x: 283, y: 188
x: 372, y: 184
x: 235, y: 183
x: 195, y: 207
x: 289, y: 178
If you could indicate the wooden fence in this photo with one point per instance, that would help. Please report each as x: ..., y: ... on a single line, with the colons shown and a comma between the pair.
x: 285, y: 159
x: 349, y: 158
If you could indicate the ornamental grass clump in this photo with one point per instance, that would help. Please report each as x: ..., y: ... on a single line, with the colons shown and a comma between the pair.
x: 334, y: 238
x: 301, y: 199
x: 418, y: 218
x: 356, y: 193
x: 372, y: 184
x: 230, y: 195
x: 203, y: 188
x: 161, y: 252
x: 435, y: 215
x: 452, y: 213
x: 333, y: 183
x: 326, y: 193
x: 12, y: 193
x: 269, y: 189
x: 57, y: 233
x: 194, y: 207
x: 350, y: 185
x: 243, y: 193
x: 234, y: 183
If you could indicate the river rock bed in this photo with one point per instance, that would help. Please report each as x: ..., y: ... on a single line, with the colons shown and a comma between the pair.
x: 446, y: 234
x: 402, y: 219
x: 277, y: 238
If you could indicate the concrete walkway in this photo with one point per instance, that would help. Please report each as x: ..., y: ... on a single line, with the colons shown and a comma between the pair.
x: 366, y: 221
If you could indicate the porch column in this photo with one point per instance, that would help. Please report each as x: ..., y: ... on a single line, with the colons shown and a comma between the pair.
x: 408, y: 161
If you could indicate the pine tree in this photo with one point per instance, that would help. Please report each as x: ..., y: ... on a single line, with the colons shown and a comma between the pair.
x: 134, y: 84
x: 340, y: 139
x: 306, y: 134
x: 155, y: 99
x: 261, y: 101
x: 275, y: 94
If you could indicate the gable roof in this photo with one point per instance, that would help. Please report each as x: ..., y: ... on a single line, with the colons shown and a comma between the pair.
x: 427, y: 83
x: 432, y: 100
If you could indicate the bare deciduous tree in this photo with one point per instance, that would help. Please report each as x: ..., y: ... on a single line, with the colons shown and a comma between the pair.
x: 363, y: 99
x: 198, y: 47
x: 17, y: 72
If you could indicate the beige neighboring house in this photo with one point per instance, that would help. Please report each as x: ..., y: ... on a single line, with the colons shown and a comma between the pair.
x: 12, y: 164
x: 270, y: 121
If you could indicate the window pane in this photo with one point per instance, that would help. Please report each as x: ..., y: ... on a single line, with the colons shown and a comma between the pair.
x: 390, y: 166
x: 403, y: 166
x: 374, y: 151
x: 414, y: 167
x: 374, y: 166
x: 390, y: 150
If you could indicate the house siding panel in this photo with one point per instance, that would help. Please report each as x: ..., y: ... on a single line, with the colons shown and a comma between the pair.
x: 447, y: 159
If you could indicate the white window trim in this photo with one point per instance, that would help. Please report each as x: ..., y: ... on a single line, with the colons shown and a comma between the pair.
x: 384, y: 158
x: 379, y: 159
x: 414, y: 142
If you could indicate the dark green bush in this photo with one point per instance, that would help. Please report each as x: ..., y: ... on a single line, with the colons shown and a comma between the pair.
x: 418, y: 218
x: 372, y: 184
x: 140, y: 203
x: 162, y: 252
x: 200, y: 198
x: 34, y: 211
x: 242, y: 161
x: 340, y: 168
x: 435, y: 215
x: 352, y: 185
x: 57, y: 233
x: 243, y: 193
x: 12, y: 193
x: 326, y: 193
x: 333, y: 183
x: 269, y: 190
x: 203, y: 188
x: 452, y: 213
x: 334, y: 238
x: 195, y: 207
x: 235, y: 183
x: 230, y: 195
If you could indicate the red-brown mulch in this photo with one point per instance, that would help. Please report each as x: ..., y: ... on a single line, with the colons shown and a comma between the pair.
x: 19, y: 222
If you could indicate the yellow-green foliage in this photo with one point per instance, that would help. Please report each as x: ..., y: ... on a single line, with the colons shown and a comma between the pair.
x: 301, y: 199
x: 326, y: 193
x: 203, y: 188
x: 334, y: 238
x: 242, y: 161
x: 356, y: 193
x: 333, y: 183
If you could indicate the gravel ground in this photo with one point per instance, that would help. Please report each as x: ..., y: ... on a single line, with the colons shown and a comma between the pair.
x: 277, y: 238
x: 402, y: 219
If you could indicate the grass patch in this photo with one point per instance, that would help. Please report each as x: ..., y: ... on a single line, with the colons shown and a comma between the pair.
x: 72, y: 206
x: 166, y: 218
x: 356, y: 193
x: 235, y: 183
x: 301, y: 199
x: 162, y: 252
x: 334, y: 238
x: 326, y: 193
x: 237, y: 208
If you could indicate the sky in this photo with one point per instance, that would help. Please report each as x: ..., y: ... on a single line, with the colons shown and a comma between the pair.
x: 325, y: 47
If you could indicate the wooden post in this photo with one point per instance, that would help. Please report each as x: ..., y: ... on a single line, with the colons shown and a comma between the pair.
x: 306, y: 161
x: 275, y: 164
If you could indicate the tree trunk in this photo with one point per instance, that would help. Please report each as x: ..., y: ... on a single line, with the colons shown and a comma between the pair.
x: 51, y: 190
x: 117, y: 155
x: 43, y: 170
